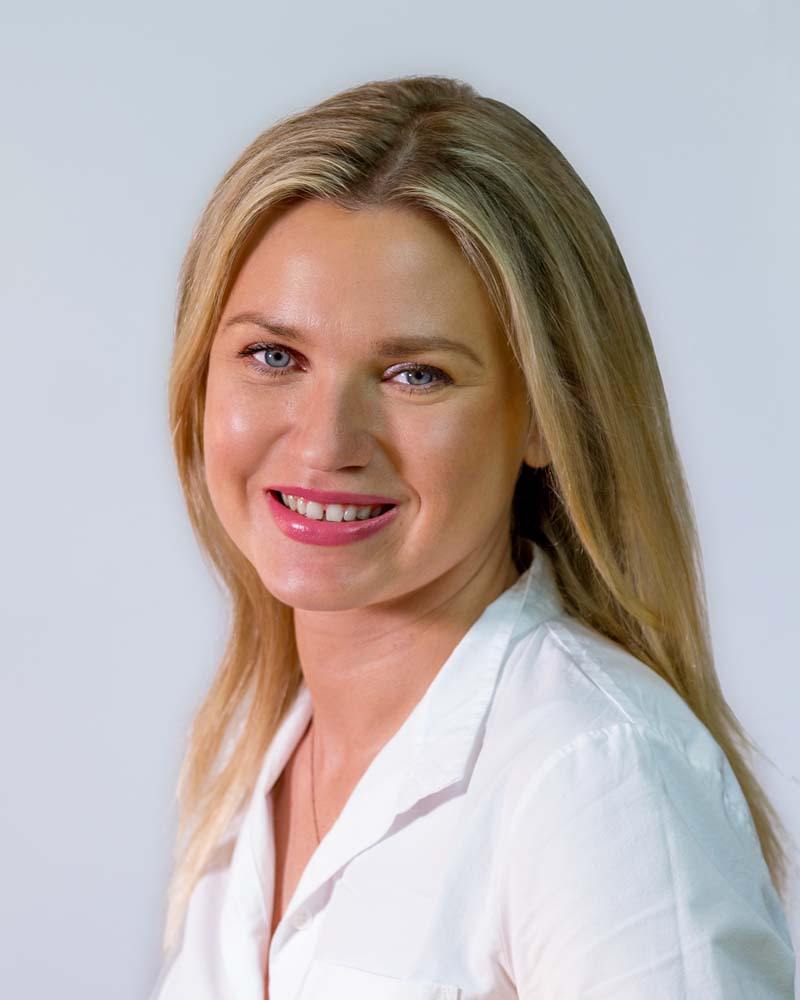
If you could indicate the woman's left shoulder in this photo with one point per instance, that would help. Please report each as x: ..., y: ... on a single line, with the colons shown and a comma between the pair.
x: 565, y: 685
x: 630, y: 846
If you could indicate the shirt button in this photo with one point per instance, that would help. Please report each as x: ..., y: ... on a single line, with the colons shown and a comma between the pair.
x: 302, y: 918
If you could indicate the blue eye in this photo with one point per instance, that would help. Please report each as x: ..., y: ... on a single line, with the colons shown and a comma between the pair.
x: 418, y: 369
x: 274, y: 350
x: 439, y: 377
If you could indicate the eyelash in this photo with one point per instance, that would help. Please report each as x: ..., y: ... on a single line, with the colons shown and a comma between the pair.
x: 266, y: 370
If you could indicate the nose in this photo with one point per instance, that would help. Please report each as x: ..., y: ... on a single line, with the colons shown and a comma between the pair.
x: 337, y: 426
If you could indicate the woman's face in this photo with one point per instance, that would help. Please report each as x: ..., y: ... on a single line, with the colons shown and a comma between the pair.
x: 440, y: 431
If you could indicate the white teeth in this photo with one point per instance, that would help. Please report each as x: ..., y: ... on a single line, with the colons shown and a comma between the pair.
x: 334, y: 512
x: 328, y: 512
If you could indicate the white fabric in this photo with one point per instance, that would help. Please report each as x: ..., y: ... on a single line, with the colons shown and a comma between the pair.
x: 550, y: 822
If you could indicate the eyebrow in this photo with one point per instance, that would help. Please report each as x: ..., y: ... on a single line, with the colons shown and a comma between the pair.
x: 388, y: 347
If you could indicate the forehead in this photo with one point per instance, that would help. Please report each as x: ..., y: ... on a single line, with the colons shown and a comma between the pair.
x: 322, y: 267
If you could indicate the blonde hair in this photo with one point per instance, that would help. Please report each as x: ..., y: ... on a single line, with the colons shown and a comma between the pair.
x: 611, y: 509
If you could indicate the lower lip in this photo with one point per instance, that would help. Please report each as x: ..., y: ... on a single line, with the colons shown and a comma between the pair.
x: 305, y: 529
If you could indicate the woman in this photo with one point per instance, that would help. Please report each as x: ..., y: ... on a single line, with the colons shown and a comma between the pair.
x: 466, y: 739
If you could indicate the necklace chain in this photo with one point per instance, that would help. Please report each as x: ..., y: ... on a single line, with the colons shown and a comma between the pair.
x: 313, y: 795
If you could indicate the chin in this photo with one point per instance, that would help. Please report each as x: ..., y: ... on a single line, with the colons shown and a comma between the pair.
x: 311, y: 588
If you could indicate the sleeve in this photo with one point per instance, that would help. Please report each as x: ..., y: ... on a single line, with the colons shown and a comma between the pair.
x: 634, y: 874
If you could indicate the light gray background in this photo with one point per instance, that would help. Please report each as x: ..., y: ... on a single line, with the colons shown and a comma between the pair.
x: 682, y: 118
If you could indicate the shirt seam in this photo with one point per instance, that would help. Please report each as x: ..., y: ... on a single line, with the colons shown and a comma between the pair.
x: 645, y: 725
x: 641, y: 723
x: 545, y: 767
x: 668, y: 845
x: 581, y: 652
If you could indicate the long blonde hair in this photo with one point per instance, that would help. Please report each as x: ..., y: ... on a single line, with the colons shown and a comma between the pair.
x: 611, y: 509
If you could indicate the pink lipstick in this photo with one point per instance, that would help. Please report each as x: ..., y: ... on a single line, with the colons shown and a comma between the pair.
x: 305, y: 529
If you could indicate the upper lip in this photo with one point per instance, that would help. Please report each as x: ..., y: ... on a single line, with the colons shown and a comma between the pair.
x: 329, y: 496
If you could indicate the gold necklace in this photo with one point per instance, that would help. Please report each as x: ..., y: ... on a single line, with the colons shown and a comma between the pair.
x: 313, y: 796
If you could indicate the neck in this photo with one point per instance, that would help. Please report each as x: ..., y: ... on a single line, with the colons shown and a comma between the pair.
x: 366, y: 668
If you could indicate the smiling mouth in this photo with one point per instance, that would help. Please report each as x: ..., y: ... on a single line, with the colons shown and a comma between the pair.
x: 356, y: 512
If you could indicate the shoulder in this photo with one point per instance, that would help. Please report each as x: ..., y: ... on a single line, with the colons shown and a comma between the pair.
x: 626, y: 832
x: 570, y: 692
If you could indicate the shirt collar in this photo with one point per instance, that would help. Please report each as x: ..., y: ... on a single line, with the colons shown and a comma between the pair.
x: 441, y: 724
x: 432, y: 749
x: 441, y: 729
x: 445, y: 724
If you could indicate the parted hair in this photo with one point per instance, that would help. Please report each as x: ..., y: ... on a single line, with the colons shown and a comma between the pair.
x: 611, y: 508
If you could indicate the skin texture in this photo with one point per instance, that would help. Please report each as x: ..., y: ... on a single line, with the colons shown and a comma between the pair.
x: 376, y: 619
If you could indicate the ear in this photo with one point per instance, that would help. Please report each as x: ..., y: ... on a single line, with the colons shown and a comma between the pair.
x: 537, y: 454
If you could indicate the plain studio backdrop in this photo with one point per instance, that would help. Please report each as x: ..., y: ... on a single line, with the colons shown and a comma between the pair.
x: 680, y: 116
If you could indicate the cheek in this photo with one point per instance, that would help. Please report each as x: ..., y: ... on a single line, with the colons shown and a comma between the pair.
x: 465, y: 463
x: 232, y: 443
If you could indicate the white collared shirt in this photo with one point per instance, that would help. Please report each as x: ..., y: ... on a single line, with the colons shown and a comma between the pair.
x: 550, y: 822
